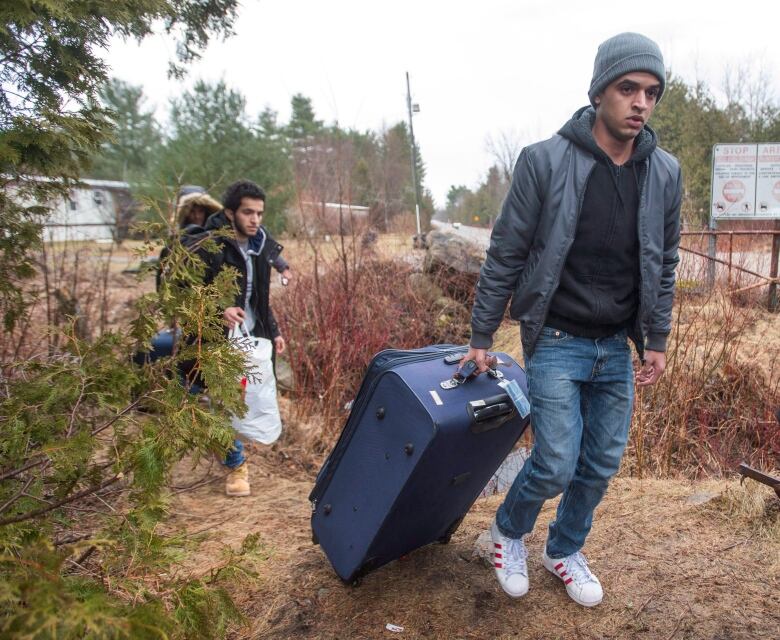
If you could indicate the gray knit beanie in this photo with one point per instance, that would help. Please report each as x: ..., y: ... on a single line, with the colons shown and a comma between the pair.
x: 622, y: 54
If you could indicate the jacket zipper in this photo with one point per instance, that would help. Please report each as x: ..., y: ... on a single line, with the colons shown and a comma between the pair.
x: 640, y: 228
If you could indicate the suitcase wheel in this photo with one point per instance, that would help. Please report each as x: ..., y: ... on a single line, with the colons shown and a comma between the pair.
x: 357, y: 578
x: 445, y: 539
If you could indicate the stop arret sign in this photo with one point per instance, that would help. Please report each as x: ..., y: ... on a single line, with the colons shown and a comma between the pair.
x: 746, y: 180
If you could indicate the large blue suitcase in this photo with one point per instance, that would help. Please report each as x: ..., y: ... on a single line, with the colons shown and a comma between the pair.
x: 414, y: 455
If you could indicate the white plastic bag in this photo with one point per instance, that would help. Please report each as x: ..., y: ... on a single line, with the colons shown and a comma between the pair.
x: 262, y: 422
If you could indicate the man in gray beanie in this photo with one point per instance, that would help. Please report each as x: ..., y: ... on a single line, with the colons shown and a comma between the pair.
x: 586, y: 248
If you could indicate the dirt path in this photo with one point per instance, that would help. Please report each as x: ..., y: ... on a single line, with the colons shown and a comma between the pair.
x: 671, y: 567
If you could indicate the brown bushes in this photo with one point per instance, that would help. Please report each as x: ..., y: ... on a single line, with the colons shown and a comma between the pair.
x: 715, y: 405
x: 338, y: 317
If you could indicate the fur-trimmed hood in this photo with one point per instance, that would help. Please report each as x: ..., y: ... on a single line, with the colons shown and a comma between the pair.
x: 191, y: 200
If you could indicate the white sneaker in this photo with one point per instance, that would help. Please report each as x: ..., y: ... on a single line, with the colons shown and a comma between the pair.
x: 581, y: 585
x: 509, y: 563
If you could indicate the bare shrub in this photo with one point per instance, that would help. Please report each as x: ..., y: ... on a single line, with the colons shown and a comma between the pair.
x: 714, y: 406
x: 336, y: 320
x: 351, y: 302
x: 74, y: 285
x: 404, y: 223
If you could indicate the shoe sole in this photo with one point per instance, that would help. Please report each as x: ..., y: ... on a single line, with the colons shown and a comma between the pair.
x: 511, y: 595
x: 573, y: 597
x: 238, y: 494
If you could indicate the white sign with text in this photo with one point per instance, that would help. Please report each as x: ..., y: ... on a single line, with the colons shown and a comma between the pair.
x: 734, y: 180
x: 768, y: 181
x: 746, y: 181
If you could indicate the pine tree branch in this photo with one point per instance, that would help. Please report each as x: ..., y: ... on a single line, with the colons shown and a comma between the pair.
x: 72, y: 420
x: 80, y: 560
x: 55, y: 505
x: 127, y: 409
x: 38, y: 498
x: 15, y: 472
x: 18, y: 494
x: 23, y: 491
x: 78, y: 537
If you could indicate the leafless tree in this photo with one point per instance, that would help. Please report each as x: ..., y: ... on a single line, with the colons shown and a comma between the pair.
x: 749, y: 95
x: 505, y: 147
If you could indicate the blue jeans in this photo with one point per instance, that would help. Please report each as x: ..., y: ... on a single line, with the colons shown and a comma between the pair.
x: 235, y: 457
x: 581, y: 393
x: 162, y: 346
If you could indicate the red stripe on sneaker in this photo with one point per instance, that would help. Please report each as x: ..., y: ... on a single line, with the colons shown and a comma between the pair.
x: 558, y: 566
x: 563, y: 573
x: 496, y: 545
x: 498, y: 555
x: 498, y: 565
x: 568, y: 581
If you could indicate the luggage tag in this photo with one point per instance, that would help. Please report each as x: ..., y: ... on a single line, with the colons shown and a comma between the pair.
x: 517, y: 396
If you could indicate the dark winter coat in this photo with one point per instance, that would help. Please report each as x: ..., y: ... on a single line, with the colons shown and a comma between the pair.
x: 267, y: 250
x: 533, y: 236
x: 219, y: 219
x: 598, y: 292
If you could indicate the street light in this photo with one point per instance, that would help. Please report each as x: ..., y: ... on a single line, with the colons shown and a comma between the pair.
x: 413, y: 108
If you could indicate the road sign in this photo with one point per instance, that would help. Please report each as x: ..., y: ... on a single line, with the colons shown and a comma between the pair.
x: 768, y: 181
x: 734, y: 180
x: 746, y: 181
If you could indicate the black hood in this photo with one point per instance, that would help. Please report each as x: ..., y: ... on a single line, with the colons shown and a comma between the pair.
x: 217, y: 221
x: 580, y: 131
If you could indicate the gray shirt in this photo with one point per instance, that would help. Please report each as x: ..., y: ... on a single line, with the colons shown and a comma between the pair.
x: 249, y: 318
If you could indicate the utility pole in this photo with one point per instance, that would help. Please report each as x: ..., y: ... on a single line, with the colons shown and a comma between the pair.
x: 416, y: 109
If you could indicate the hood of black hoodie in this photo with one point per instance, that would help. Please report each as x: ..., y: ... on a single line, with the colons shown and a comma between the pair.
x: 580, y: 131
x: 216, y: 221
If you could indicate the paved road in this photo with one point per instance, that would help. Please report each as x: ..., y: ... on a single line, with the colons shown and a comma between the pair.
x: 478, y: 235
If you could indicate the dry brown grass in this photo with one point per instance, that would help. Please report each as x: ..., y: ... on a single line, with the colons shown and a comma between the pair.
x: 715, y: 405
x: 753, y: 507
x: 76, y: 280
x: 678, y: 559
x: 300, y: 252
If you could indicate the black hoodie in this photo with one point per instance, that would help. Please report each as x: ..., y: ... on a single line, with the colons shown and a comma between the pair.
x: 598, y: 294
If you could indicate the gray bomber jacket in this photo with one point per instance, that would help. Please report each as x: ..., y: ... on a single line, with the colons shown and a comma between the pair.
x: 533, y: 234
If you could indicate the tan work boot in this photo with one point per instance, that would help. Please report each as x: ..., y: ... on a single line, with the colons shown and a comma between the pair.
x: 237, y: 481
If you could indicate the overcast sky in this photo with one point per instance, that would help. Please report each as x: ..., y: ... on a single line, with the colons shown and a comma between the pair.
x: 477, y: 69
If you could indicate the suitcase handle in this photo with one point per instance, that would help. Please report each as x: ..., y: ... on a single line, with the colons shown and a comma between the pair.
x: 490, y: 413
x: 469, y: 371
